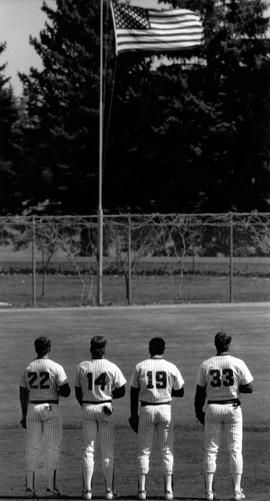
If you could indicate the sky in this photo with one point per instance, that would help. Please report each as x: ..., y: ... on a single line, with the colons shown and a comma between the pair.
x: 19, y: 19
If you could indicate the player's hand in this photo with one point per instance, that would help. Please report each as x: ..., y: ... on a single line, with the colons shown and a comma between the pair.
x: 134, y: 423
x: 23, y: 422
x: 107, y: 410
x: 201, y: 417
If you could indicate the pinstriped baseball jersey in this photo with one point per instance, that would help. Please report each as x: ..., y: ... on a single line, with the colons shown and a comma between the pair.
x: 42, y: 377
x: 98, y: 378
x: 222, y: 375
x: 156, y: 378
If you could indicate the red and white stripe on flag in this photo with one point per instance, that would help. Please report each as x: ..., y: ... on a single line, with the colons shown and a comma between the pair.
x: 140, y: 29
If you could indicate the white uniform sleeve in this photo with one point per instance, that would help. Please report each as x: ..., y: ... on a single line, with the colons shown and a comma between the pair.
x: 178, y: 380
x: 77, y: 381
x: 246, y: 376
x: 119, y: 380
x: 201, y: 379
x: 61, y: 377
x: 134, y: 382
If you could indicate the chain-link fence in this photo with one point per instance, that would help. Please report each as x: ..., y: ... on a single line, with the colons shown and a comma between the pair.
x: 172, y: 258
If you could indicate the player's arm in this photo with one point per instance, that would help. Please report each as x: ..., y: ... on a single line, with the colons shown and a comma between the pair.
x: 178, y: 393
x: 78, y: 394
x: 199, y: 402
x: 178, y: 385
x: 119, y: 392
x: 134, y: 400
x: 134, y: 405
x: 64, y: 390
x: 246, y: 388
x: 24, y: 400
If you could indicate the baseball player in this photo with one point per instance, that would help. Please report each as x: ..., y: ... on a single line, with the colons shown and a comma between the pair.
x: 220, y: 380
x: 154, y: 382
x: 97, y: 382
x: 42, y: 384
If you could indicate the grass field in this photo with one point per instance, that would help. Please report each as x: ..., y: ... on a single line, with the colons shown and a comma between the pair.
x: 189, y: 332
x: 68, y: 290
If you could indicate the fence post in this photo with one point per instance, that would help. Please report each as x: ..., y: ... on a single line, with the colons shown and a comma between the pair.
x: 129, y: 262
x: 231, y: 258
x: 34, y: 284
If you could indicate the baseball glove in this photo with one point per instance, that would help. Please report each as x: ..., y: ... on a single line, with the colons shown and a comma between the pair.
x: 107, y: 410
x: 134, y: 423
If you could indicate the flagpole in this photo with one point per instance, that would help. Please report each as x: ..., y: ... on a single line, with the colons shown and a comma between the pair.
x: 100, y: 168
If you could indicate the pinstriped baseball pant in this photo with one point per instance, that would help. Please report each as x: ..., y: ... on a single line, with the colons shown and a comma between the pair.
x: 95, y: 420
x: 43, y: 420
x: 228, y: 418
x: 157, y: 417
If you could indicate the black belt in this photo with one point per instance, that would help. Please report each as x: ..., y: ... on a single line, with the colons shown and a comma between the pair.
x: 96, y: 402
x: 234, y: 401
x: 44, y: 402
x: 143, y: 404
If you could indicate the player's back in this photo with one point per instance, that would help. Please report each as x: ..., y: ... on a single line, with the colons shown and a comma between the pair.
x: 156, y: 377
x: 97, y: 379
x: 42, y: 377
x: 222, y: 375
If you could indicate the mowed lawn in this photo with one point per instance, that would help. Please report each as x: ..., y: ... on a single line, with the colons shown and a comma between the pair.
x: 189, y: 333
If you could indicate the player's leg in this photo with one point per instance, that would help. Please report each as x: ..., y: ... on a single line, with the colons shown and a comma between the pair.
x: 89, y: 431
x: 145, y: 439
x: 234, y: 435
x: 33, y: 437
x: 212, y: 433
x: 52, y: 423
x: 165, y: 431
x: 106, y: 431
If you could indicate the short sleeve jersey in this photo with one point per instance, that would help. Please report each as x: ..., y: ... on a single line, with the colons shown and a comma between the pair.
x: 42, y: 377
x: 156, y: 377
x: 222, y: 375
x: 98, y: 378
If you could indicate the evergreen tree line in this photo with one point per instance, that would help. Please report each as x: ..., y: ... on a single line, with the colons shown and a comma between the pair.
x: 182, y: 133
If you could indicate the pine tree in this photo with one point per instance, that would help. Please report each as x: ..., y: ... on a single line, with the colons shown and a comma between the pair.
x: 182, y: 137
x: 234, y: 83
x: 8, y: 119
x: 63, y: 106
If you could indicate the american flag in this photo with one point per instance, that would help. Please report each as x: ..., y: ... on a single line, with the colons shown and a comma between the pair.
x: 140, y: 29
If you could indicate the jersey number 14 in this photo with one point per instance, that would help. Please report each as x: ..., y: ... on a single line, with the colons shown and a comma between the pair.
x: 101, y: 380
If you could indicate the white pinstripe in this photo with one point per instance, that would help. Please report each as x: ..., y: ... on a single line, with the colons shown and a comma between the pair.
x: 94, y: 421
x: 222, y: 375
x: 43, y: 420
x: 156, y: 377
x: 97, y: 379
x: 159, y: 417
x: 229, y: 418
x: 42, y: 377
